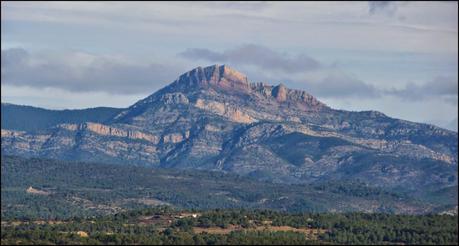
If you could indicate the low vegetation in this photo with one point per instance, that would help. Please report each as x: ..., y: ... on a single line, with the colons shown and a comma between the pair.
x: 165, y: 225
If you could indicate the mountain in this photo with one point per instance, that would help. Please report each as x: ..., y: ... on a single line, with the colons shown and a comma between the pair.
x: 17, y: 117
x: 213, y: 118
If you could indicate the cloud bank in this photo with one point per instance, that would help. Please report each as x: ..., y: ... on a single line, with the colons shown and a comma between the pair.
x: 443, y: 87
x: 255, y: 55
x: 84, y: 72
x: 80, y: 72
x: 341, y: 85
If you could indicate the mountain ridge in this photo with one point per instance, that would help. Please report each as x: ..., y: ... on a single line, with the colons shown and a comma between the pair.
x: 16, y: 117
x: 214, y: 118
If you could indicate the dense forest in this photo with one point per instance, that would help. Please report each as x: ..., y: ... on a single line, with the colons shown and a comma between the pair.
x: 53, y: 189
x: 61, y: 202
x: 165, y: 225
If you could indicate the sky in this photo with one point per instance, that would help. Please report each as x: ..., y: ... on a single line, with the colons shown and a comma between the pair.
x: 400, y: 58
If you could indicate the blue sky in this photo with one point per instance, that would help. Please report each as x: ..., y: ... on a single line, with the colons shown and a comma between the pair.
x: 400, y: 58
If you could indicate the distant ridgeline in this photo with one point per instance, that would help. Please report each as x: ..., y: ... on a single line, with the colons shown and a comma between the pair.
x: 27, y: 118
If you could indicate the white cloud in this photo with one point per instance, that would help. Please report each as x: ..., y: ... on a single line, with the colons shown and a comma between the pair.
x: 79, y: 71
x: 441, y: 87
x: 256, y: 55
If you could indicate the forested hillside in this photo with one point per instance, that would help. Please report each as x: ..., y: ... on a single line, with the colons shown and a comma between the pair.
x: 53, y: 189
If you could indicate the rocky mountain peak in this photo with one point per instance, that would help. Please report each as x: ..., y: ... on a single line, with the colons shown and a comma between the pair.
x: 280, y: 92
x: 231, y: 74
x: 228, y: 80
x: 217, y: 86
x: 218, y: 75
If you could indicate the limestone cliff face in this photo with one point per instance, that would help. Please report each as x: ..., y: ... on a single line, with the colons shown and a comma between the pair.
x: 222, y: 76
x: 226, y: 110
x: 104, y: 130
x: 280, y: 93
x: 215, y: 118
x: 174, y: 98
x: 176, y: 137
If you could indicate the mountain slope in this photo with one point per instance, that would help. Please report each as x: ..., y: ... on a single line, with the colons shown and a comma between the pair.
x: 213, y: 118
